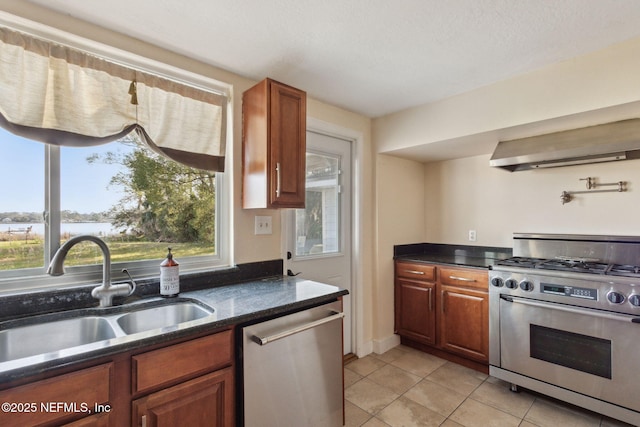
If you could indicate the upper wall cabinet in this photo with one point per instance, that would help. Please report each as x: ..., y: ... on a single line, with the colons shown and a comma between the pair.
x: 273, y: 146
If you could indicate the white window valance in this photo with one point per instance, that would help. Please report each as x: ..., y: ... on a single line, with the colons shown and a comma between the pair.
x: 60, y: 95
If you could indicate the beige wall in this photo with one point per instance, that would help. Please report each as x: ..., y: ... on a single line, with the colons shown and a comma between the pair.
x: 466, y: 193
x: 403, y: 201
x: 247, y: 246
x: 595, y: 84
x: 400, y: 207
x: 497, y: 203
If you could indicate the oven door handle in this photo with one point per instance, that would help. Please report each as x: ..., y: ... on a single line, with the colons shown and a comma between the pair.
x: 574, y: 310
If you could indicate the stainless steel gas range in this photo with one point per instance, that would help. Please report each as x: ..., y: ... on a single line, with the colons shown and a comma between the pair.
x: 564, y: 320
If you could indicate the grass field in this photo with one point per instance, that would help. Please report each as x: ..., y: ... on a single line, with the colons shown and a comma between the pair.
x: 29, y: 253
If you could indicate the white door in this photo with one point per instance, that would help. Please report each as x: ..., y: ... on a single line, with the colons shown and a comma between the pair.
x: 318, y: 238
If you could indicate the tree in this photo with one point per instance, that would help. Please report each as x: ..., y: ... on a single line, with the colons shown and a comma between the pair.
x: 164, y: 200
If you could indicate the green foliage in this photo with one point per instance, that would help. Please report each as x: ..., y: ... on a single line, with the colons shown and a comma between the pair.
x: 164, y: 201
x: 18, y: 254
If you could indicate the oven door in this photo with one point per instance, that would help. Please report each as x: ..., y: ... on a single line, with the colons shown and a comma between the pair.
x: 585, y: 350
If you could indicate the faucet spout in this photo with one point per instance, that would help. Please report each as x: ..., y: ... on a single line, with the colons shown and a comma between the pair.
x: 106, y: 291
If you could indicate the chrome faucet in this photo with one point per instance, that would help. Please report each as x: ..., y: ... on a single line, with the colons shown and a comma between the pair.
x: 105, y: 292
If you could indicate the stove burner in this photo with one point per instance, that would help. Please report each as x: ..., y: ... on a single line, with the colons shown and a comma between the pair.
x: 522, y: 262
x: 624, y: 270
x: 575, y: 265
x: 578, y: 266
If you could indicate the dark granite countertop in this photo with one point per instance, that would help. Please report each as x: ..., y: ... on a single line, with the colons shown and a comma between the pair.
x: 233, y: 304
x: 459, y: 255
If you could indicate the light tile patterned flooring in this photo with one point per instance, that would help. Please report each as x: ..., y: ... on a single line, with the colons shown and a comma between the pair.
x: 405, y: 387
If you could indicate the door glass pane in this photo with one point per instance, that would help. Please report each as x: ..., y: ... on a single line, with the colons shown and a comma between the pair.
x: 21, y: 202
x: 318, y: 225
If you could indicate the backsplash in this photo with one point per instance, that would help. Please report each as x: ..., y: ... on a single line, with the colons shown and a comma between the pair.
x: 48, y: 301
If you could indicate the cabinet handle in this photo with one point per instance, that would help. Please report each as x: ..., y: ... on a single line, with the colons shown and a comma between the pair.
x: 430, y: 299
x: 144, y: 421
x: 278, y: 179
x: 462, y: 279
x: 414, y: 272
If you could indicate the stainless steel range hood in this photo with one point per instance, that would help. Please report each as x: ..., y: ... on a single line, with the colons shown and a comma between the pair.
x: 601, y: 143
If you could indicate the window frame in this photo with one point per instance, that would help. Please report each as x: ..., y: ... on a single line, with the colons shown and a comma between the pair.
x: 27, y: 279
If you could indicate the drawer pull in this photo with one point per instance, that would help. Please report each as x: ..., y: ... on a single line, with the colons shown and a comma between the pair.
x: 414, y: 272
x: 462, y: 279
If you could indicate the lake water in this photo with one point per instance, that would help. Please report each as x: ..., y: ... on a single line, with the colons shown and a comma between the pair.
x: 73, y: 228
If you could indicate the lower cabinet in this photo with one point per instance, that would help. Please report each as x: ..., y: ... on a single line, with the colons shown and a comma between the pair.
x: 56, y: 400
x: 204, y: 401
x: 464, y: 325
x: 444, y: 309
x: 187, y: 383
x: 96, y: 420
x: 415, y: 297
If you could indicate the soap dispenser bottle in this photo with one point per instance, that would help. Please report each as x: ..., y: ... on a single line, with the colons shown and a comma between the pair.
x: 169, y: 277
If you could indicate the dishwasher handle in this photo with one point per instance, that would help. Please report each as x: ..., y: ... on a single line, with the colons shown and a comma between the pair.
x: 335, y: 315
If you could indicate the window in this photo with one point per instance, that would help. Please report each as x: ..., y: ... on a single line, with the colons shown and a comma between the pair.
x: 136, y: 192
x: 139, y: 202
x: 21, y: 202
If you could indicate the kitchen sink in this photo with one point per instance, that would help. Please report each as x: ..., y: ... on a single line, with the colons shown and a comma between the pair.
x: 25, y: 341
x: 60, y: 331
x: 161, y: 317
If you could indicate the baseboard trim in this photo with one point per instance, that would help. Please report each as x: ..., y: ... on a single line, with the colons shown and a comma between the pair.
x: 383, y: 345
x: 478, y: 366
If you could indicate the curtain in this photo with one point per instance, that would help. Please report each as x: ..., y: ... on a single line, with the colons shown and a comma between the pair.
x: 59, y: 95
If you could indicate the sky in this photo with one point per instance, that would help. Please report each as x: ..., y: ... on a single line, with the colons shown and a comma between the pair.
x: 85, y: 187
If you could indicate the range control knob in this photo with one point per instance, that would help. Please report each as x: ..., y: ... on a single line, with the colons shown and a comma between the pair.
x: 615, y: 297
x: 634, y: 300
x: 497, y: 282
x: 526, y: 285
x: 511, y: 284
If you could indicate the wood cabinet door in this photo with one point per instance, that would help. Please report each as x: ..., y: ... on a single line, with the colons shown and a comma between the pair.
x: 206, y: 401
x: 64, y: 397
x: 288, y: 127
x: 415, y: 310
x: 274, y: 144
x: 95, y: 420
x: 464, y: 322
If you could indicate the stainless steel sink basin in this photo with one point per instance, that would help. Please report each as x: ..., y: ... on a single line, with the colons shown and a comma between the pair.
x: 52, y: 334
x: 25, y: 341
x: 161, y: 317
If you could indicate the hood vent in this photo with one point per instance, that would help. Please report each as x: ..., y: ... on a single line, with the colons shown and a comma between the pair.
x: 594, y: 144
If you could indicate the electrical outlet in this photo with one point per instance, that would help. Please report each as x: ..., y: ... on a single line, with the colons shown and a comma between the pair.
x: 263, y: 225
x: 472, y: 235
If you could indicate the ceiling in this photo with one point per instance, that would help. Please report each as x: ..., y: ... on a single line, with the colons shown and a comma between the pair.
x: 373, y: 57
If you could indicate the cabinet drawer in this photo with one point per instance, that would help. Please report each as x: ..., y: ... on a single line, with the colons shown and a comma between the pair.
x: 416, y: 271
x: 181, y: 361
x: 467, y: 277
x: 77, y: 392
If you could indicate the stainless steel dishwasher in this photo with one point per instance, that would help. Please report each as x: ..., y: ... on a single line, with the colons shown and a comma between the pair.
x: 293, y: 370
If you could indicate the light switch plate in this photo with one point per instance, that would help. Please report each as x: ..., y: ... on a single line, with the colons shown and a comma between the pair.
x: 263, y: 225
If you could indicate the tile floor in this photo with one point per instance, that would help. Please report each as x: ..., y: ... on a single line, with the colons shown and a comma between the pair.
x: 405, y: 387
